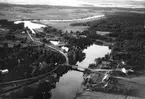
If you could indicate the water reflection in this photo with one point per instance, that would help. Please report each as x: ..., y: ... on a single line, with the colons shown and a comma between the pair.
x: 55, y: 42
x: 67, y: 86
x: 92, y: 52
x: 70, y: 83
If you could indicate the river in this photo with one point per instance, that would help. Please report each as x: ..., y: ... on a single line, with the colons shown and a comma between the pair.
x: 69, y: 83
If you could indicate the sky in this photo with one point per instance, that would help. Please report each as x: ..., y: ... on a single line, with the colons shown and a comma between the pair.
x: 99, y: 3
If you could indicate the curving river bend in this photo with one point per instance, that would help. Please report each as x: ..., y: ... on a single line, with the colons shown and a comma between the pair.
x: 69, y: 83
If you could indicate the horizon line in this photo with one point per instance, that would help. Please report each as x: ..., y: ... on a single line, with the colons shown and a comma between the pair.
x: 79, y: 6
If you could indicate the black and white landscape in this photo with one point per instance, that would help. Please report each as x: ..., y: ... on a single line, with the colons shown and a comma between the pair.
x: 72, y: 49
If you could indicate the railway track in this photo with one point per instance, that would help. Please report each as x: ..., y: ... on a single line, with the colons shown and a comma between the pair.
x: 10, y: 86
x: 20, y: 83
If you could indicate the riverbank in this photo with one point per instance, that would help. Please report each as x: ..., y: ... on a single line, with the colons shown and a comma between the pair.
x: 100, y: 95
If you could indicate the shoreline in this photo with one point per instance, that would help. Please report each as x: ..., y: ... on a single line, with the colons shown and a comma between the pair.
x: 79, y: 19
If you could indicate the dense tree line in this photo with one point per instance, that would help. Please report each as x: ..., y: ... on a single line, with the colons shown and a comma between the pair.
x: 10, y: 25
x: 22, y: 61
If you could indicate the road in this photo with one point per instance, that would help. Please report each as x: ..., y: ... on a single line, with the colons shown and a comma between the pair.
x: 56, y: 49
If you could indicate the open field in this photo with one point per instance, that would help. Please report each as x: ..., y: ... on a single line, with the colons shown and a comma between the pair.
x: 53, y: 13
x: 18, y: 12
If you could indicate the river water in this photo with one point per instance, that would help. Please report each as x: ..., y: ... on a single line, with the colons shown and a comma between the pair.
x: 69, y: 83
